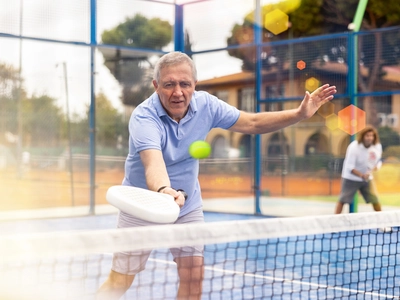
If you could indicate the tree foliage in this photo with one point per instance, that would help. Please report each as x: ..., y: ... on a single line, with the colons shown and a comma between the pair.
x: 377, y: 49
x: 388, y: 137
x: 9, y: 95
x: 134, y: 75
x: 316, y: 17
x: 109, y: 125
x: 44, y: 123
x: 111, y: 128
x: 379, y: 14
x: 140, y: 32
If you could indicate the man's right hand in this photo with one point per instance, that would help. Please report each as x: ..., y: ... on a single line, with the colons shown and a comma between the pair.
x: 178, y: 196
x: 365, y: 176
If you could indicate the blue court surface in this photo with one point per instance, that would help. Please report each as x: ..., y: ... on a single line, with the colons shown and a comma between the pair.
x: 346, y: 265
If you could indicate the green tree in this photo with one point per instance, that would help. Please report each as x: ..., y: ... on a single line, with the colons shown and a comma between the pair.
x: 315, y: 17
x: 305, y: 20
x: 388, y: 137
x: 79, y: 127
x: 42, y: 121
x: 139, y: 32
x: 377, y: 49
x: 9, y: 84
x: 133, y: 72
x: 111, y: 129
x: 109, y: 122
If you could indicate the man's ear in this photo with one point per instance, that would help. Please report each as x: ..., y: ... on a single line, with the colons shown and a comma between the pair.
x: 155, y: 84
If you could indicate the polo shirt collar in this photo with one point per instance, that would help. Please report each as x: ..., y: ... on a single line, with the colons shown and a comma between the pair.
x: 162, y: 112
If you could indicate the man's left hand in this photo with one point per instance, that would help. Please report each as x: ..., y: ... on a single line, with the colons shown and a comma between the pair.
x: 312, y: 102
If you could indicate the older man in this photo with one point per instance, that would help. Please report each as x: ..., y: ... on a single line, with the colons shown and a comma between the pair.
x: 161, y: 130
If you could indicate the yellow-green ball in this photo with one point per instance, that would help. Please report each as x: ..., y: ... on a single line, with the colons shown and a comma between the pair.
x: 200, y: 149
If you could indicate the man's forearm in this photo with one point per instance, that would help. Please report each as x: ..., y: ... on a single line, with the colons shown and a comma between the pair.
x: 265, y: 122
x: 271, y: 121
x: 155, y: 171
x: 359, y: 174
x: 155, y: 179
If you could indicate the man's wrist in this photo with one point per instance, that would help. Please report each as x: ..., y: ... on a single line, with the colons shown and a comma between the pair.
x: 178, y: 190
x: 161, y: 188
x: 183, y: 193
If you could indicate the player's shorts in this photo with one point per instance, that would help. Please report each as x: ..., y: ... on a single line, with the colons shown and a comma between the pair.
x: 350, y: 188
x: 131, y: 263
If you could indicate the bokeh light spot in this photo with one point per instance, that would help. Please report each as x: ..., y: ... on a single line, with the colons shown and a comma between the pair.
x: 332, y: 122
x: 327, y: 109
x: 389, y: 174
x: 351, y: 119
x: 301, y: 65
x: 276, y: 21
x: 312, y: 84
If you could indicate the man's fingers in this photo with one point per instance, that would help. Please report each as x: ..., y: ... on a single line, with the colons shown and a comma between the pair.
x: 307, y: 96
x: 325, y: 92
x: 180, y: 200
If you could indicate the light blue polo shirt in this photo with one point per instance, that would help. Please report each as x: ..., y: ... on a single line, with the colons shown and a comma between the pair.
x: 150, y: 127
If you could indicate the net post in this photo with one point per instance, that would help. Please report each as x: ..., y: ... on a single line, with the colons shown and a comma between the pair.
x: 179, y: 36
x: 92, y: 108
x: 353, y: 69
x: 258, y: 83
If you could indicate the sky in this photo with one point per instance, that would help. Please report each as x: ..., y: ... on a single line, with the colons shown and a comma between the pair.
x: 208, y: 23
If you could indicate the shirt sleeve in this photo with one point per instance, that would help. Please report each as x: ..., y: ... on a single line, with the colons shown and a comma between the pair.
x: 379, y: 149
x: 145, y: 133
x: 379, y: 158
x: 225, y: 115
x: 351, y: 156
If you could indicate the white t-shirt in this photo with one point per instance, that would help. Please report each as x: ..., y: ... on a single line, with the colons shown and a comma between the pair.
x: 362, y: 159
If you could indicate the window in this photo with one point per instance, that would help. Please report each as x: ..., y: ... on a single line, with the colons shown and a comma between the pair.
x: 245, y: 146
x: 223, y: 95
x: 275, y: 91
x: 278, y: 145
x: 219, y: 147
x: 274, y: 106
x: 384, y: 104
x: 247, y: 99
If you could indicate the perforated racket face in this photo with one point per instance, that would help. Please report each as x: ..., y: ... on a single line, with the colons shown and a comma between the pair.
x: 144, y: 204
x: 149, y: 199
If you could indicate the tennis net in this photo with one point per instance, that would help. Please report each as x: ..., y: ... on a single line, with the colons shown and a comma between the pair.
x: 353, y: 256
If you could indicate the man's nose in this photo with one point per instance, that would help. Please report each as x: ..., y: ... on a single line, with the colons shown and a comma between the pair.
x: 178, y: 90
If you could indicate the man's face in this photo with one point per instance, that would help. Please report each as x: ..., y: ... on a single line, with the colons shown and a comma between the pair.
x: 175, y: 89
x: 368, y: 139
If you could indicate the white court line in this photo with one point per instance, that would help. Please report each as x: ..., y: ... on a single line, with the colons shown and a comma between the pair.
x: 284, y: 280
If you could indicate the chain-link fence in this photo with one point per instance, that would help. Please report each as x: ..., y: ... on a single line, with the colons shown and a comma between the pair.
x: 50, y: 97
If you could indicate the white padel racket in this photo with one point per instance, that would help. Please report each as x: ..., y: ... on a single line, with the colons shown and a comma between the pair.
x: 144, y: 204
x: 374, y: 161
x: 374, y: 158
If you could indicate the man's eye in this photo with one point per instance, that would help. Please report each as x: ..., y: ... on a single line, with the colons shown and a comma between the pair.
x: 185, y: 84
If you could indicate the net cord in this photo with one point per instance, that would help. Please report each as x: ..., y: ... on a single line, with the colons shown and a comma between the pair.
x: 82, y: 242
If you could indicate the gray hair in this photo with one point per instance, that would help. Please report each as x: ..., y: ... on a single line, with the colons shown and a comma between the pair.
x: 171, y: 59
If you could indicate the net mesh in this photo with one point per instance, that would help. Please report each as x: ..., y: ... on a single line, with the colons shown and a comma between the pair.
x: 353, y: 256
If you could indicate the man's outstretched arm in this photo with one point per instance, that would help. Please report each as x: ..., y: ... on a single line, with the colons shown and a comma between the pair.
x: 264, y: 122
